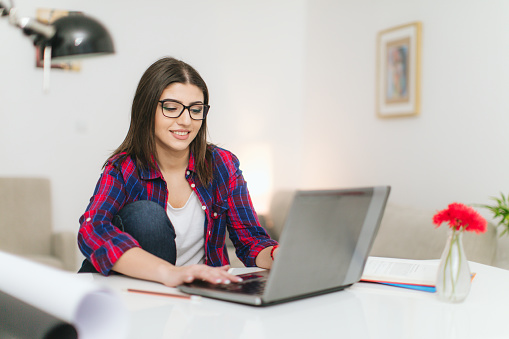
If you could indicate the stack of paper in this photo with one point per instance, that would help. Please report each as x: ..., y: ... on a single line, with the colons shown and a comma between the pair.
x: 414, y: 274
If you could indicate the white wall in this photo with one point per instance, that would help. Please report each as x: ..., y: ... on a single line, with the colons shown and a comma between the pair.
x: 292, y: 87
x: 456, y: 150
x: 250, y: 54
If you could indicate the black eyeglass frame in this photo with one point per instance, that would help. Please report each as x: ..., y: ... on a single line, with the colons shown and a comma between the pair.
x: 205, y: 109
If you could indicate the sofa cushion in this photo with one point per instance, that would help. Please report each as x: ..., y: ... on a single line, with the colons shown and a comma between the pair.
x: 502, y: 257
x: 25, y: 216
x: 408, y: 232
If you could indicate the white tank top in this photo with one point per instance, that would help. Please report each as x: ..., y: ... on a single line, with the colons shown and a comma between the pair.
x: 188, y: 222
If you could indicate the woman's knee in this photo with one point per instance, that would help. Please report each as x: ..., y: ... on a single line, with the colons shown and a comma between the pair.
x: 143, y: 216
x: 148, y: 223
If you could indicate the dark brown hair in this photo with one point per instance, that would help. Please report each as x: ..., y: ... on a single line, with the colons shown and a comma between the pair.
x: 139, y: 142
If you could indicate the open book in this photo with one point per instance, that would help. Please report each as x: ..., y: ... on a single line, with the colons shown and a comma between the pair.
x: 415, y: 274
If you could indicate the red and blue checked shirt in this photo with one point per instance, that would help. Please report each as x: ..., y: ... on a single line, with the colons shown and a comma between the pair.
x: 226, y: 202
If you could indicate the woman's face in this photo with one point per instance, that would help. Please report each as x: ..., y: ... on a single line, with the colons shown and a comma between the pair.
x: 174, y: 135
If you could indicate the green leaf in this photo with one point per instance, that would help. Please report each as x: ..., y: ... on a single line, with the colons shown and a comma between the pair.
x: 500, y: 211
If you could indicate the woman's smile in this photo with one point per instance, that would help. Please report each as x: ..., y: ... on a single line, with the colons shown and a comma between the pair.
x: 182, y: 130
x: 181, y: 134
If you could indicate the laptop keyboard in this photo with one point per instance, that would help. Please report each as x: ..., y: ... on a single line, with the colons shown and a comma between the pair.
x: 252, y: 284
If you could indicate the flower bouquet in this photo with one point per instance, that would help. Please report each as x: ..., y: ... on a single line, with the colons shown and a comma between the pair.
x: 453, y: 278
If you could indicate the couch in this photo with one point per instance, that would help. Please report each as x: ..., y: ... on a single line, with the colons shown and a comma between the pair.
x: 26, y: 224
x: 406, y: 232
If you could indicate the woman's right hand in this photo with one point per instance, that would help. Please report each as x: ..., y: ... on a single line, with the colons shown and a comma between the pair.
x: 186, y: 274
x: 138, y: 263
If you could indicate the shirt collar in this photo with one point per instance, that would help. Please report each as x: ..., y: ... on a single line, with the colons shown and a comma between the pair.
x: 151, y: 173
x: 191, y: 165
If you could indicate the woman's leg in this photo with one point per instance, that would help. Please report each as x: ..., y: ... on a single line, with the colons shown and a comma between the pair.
x: 148, y: 223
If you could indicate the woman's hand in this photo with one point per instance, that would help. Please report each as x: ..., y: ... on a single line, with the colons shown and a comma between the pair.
x: 186, y: 274
x: 138, y: 263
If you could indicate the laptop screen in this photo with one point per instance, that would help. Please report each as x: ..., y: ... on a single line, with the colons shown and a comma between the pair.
x: 326, y: 239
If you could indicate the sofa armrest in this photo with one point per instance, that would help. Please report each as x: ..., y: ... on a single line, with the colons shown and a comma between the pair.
x: 63, y: 246
x: 502, y: 255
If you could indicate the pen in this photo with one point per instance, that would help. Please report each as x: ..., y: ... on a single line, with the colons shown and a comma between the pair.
x: 163, y: 294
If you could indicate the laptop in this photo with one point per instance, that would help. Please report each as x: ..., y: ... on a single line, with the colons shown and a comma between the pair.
x: 324, y: 245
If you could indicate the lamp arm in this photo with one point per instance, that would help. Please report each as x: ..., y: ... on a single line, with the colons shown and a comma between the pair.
x: 5, y: 7
x: 29, y: 26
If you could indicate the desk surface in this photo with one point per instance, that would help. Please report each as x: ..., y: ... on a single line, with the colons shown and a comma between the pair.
x: 364, y: 310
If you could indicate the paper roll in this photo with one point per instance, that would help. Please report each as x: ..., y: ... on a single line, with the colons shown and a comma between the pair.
x: 23, y: 321
x: 96, y: 311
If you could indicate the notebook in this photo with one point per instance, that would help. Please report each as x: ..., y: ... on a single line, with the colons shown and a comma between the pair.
x: 324, y: 245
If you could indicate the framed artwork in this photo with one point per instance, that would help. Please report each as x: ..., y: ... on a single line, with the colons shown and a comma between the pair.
x: 48, y: 16
x: 398, y: 71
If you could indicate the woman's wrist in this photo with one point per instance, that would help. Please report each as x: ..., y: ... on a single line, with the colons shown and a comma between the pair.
x: 165, y: 272
x: 272, y: 251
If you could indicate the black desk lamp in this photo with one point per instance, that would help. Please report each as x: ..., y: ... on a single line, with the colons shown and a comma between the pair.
x: 77, y: 36
x: 70, y: 37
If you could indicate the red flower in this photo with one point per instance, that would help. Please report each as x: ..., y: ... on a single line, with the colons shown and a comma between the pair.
x: 461, y: 218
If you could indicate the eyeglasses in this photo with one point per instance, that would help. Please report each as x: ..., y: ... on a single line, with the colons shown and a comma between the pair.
x: 174, y: 109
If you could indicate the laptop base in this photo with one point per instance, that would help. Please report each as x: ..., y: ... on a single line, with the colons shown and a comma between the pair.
x: 247, y: 299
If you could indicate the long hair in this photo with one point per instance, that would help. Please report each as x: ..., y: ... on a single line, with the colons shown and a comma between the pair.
x: 139, y: 142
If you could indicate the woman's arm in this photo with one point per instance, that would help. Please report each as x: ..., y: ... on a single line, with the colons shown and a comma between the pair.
x: 138, y: 263
x: 253, y: 244
x: 264, y: 259
x: 98, y: 239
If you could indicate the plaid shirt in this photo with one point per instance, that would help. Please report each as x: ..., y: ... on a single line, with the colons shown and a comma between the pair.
x: 226, y: 202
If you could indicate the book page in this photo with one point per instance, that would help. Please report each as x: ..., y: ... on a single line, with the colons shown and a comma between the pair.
x: 400, y: 271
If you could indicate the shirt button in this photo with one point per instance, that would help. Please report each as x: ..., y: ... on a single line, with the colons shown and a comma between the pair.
x: 215, y: 214
x: 204, y: 208
x: 193, y: 185
x: 188, y: 172
x: 88, y: 219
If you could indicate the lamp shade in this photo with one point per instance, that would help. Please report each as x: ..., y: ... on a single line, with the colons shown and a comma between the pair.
x: 79, y: 36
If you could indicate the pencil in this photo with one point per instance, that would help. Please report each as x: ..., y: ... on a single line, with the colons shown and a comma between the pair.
x: 173, y: 295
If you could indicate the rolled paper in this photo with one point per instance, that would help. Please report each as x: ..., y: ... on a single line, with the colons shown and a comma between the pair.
x: 21, y: 320
x: 96, y: 311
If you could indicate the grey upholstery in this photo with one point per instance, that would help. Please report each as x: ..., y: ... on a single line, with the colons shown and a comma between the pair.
x: 26, y: 224
x: 408, y: 232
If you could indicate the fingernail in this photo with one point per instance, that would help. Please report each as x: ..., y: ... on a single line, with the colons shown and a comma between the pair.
x: 227, y: 281
x: 218, y: 281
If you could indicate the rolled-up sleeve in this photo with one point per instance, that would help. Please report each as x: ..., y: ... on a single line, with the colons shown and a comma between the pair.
x: 244, y: 227
x: 98, y: 239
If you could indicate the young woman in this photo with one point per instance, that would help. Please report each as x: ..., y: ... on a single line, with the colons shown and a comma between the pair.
x: 166, y: 197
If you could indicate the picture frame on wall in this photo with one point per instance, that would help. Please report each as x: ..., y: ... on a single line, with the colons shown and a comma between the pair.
x: 398, y: 71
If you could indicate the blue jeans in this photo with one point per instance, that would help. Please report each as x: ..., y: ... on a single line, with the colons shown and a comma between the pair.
x: 148, y: 223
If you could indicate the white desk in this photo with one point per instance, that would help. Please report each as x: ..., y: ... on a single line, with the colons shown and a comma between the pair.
x: 362, y: 311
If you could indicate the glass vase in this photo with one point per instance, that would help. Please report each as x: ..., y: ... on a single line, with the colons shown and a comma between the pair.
x: 453, y: 278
